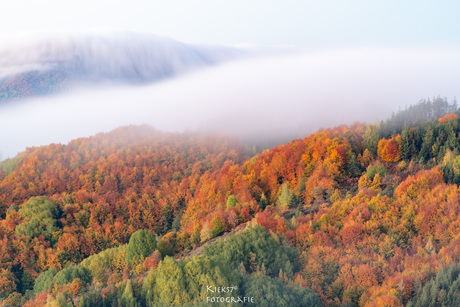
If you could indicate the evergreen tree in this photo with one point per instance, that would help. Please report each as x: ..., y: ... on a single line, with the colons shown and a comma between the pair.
x: 428, y: 141
x: 406, y: 144
x: 217, y: 226
x: 263, y: 203
x: 286, y: 198
x: 166, y: 220
x: 353, y: 167
x: 272, y: 292
x: 44, y: 281
x: 128, y: 299
x: 142, y: 243
x: 371, y: 138
x: 165, y: 247
x: 232, y: 201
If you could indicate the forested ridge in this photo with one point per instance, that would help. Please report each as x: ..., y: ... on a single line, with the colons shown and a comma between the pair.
x: 357, y: 215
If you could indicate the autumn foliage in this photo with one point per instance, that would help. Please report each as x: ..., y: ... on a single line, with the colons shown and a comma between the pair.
x: 104, y: 214
x: 389, y: 150
x: 447, y: 117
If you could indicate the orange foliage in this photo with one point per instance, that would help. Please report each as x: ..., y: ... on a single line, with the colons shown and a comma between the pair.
x: 362, y: 249
x: 390, y: 150
x: 447, y: 118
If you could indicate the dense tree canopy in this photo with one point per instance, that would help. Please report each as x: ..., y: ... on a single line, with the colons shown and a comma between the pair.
x: 361, y: 215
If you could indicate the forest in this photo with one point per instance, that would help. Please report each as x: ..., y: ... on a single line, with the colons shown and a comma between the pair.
x: 357, y: 215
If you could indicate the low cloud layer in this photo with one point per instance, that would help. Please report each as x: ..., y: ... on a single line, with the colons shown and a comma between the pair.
x: 261, y: 97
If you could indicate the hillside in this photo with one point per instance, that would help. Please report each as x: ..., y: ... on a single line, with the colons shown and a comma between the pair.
x: 48, y: 64
x: 349, y: 215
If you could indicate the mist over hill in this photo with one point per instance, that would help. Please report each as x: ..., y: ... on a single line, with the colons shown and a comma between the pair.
x: 259, y: 94
x: 47, y: 63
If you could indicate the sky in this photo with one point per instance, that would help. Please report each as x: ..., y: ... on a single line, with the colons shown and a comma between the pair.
x: 313, y: 24
x: 360, y: 61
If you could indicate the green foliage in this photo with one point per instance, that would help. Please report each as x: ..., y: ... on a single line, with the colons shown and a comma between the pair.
x: 217, y: 226
x: 353, y: 167
x: 428, y: 141
x: 166, y: 220
x: 268, y: 291
x: 72, y: 272
x: 263, y: 202
x: 232, y: 201
x: 27, y: 282
x: 41, y: 218
x: 270, y: 250
x: 178, y: 283
x: 187, y: 283
x: 10, y: 165
x: 113, y: 259
x: 444, y: 290
x: 128, y: 299
x: 371, y: 138
x: 456, y: 165
x: 44, y: 281
x: 426, y: 110
x: 286, y: 197
x: 376, y: 168
x: 175, y: 226
x: 165, y: 248
x: 166, y: 284
x: 94, y: 297
x: 142, y: 243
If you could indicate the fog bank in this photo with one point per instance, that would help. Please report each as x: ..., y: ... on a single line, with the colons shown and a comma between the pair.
x: 293, y: 94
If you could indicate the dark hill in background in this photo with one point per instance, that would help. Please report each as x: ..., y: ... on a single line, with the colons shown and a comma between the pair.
x: 50, y: 64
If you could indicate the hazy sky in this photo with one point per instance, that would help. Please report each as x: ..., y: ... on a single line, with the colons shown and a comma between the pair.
x: 325, y: 23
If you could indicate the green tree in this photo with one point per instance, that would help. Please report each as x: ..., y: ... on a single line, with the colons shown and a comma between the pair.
x: 27, y: 282
x: 371, y: 138
x: 44, y: 281
x: 353, y: 167
x: 166, y: 284
x: 72, y: 272
x: 263, y: 203
x: 268, y: 291
x: 443, y: 290
x: 406, y: 144
x: 232, y: 201
x: 128, y: 299
x: 376, y: 168
x: 177, y: 283
x: 41, y: 216
x: 286, y: 197
x: 217, y: 226
x: 428, y: 142
x: 166, y: 220
x: 165, y: 247
x: 270, y: 250
x: 142, y: 243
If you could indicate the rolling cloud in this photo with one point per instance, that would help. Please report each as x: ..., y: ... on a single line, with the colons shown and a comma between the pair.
x: 289, y: 95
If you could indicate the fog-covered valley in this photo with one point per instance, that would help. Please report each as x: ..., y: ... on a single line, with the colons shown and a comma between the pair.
x: 265, y: 96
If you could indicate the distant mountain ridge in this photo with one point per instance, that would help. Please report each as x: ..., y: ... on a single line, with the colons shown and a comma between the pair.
x: 50, y: 64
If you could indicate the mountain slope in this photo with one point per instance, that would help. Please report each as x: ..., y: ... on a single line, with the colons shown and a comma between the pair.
x: 362, y: 219
x: 48, y: 64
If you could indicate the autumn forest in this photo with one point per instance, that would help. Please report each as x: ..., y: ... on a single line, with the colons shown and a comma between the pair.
x: 357, y: 215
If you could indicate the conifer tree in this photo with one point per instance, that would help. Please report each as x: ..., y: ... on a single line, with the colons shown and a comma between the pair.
x: 142, y: 243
